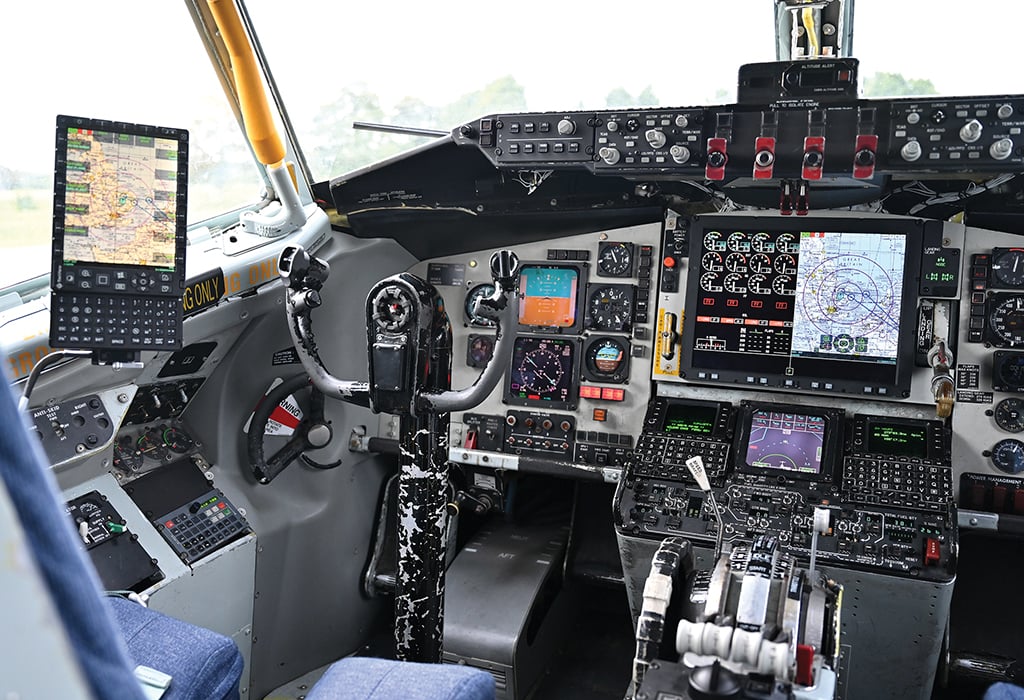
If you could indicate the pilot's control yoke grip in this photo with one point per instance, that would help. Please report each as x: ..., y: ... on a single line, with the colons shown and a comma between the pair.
x: 503, y: 308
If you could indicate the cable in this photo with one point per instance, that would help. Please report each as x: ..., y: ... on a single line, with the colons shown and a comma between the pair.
x: 53, y: 358
x: 813, y: 47
x: 972, y: 190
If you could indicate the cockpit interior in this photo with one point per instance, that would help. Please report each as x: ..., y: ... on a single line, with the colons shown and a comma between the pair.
x: 620, y: 402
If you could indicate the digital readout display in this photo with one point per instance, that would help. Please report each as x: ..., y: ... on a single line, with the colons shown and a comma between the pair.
x: 690, y: 418
x: 898, y: 440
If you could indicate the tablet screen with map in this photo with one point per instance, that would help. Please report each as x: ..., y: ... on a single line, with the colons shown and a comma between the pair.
x: 119, y: 217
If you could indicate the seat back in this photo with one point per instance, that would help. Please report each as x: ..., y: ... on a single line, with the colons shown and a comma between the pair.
x: 69, y: 585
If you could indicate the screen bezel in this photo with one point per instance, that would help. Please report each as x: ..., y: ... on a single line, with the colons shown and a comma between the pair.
x: 572, y: 396
x: 818, y: 373
x: 581, y: 293
x: 59, y: 262
x: 830, y: 445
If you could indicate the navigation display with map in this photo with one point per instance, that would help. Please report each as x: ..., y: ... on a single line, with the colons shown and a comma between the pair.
x: 780, y: 301
x: 849, y: 290
x: 121, y: 198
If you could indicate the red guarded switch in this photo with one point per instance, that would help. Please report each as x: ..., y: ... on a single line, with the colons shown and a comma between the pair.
x: 1018, y: 501
x: 864, y: 156
x: 932, y: 551
x: 717, y: 158
x: 764, y: 157
x: 814, y: 157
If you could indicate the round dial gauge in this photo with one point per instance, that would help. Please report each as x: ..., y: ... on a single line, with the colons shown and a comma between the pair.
x: 762, y: 243
x: 126, y: 457
x: 709, y: 282
x: 1009, y: 415
x: 392, y: 309
x: 616, y: 259
x: 1008, y: 267
x: 481, y: 291
x: 787, y: 243
x: 151, y: 445
x: 1009, y: 371
x: 712, y: 261
x: 713, y: 241
x: 738, y: 242
x: 781, y: 285
x: 736, y: 262
x: 606, y: 359
x: 758, y: 284
x: 610, y: 309
x: 1007, y: 320
x: 734, y: 283
x: 479, y: 350
x: 1008, y: 456
x: 761, y: 263
x: 785, y: 264
x: 177, y: 440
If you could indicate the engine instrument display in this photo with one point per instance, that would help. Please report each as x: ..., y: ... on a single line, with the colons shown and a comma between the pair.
x: 799, y: 304
x: 548, y: 295
x: 543, y: 372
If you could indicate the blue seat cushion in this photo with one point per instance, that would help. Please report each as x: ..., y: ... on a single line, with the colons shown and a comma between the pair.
x: 203, y: 665
x: 1004, y: 691
x: 361, y: 678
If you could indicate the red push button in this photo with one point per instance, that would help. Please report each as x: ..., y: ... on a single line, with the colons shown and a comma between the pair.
x: 669, y: 261
x: 804, y: 665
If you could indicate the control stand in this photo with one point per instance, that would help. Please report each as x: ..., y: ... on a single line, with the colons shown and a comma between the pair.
x: 409, y: 343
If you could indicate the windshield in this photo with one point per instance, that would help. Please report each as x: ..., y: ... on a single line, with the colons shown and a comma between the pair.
x: 439, y: 64
x: 129, y: 62
x: 427, y: 65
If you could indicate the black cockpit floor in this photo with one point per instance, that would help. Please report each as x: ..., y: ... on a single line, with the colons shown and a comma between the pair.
x: 596, y: 662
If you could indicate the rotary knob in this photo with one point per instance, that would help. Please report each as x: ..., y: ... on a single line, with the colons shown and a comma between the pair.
x: 716, y: 159
x: 656, y: 137
x: 566, y: 127
x: 911, y: 151
x: 1001, y: 149
x: 609, y: 155
x: 679, y: 153
x: 971, y: 131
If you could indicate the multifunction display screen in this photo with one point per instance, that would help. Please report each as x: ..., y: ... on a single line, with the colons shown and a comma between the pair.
x: 543, y: 372
x: 120, y: 196
x: 797, y: 303
x: 548, y: 296
x: 791, y: 442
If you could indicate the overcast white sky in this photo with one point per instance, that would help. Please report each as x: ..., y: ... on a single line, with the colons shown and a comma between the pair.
x: 144, y: 61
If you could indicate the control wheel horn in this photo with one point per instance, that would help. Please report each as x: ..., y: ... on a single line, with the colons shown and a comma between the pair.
x: 312, y: 432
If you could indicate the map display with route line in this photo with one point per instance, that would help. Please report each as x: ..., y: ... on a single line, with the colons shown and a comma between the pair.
x: 121, y: 198
x: 850, y: 292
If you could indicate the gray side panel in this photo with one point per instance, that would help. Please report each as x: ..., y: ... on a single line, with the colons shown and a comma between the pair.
x: 314, y: 527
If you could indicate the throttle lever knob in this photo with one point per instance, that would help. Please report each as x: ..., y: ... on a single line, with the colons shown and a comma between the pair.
x: 504, y: 269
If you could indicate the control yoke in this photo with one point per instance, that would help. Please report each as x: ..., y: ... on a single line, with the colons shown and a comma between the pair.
x: 401, y: 311
x: 409, y: 342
